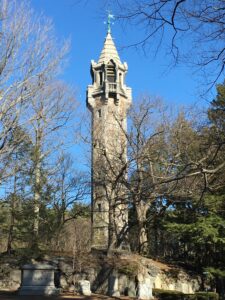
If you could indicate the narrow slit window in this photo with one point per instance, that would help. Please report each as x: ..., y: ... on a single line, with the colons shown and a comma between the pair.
x: 99, y: 207
x: 99, y: 113
x: 100, y: 78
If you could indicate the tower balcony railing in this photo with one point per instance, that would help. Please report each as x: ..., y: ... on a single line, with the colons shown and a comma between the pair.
x: 112, y: 87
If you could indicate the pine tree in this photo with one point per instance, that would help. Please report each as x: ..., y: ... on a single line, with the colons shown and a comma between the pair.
x: 216, y: 112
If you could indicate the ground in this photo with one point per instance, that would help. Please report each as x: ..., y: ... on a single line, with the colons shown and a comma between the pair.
x: 15, y: 296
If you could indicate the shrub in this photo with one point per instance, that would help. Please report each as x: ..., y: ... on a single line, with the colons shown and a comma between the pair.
x: 167, y: 295
x: 129, y: 269
x: 207, y: 296
x: 175, y: 295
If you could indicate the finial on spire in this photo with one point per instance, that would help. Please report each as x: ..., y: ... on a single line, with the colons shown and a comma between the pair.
x: 110, y: 17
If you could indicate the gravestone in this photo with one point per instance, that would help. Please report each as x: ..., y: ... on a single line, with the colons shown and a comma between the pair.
x: 84, y: 287
x: 113, y: 285
x: 38, y: 279
x: 144, y: 288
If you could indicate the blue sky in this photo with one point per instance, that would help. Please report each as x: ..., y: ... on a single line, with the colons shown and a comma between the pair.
x: 83, y: 22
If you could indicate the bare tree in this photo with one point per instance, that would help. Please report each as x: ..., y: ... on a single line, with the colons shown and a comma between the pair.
x: 192, y: 31
x: 47, y: 114
x: 70, y: 187
x: 79, y: 242
x: 29, y: 54
x: 178, y: 159
x: 30, y: 96
x: 169, y: 158
x: 18, y: 167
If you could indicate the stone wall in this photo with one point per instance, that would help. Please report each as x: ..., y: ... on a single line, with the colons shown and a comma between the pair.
x: 129, y: 275
x: 10, y: 277
x: 183, y: 282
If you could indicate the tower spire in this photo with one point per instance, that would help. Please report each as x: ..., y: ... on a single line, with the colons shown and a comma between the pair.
x: 109, y: 51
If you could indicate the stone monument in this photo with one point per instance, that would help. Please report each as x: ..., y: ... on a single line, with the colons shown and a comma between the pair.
x: 108, y: 99
x: 38, y: 279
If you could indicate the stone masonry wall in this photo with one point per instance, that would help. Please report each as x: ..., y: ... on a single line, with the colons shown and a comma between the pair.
x: 125, y: 276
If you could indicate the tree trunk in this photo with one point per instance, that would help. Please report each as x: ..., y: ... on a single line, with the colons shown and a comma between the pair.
x: 112, y: 228
x: 11, y: 227
x: 141, y: 209
x: 37, y: 198
x: 37, y: 188
x: 12, y: 217
x: 155, y: 228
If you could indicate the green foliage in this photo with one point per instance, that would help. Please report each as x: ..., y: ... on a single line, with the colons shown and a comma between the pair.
x: 216, y: 112
x: 129, y: 269
x: 21, y: 256
x: 192, y: 234
x: 80, y: 209
x: 215, y: 272
x: 206, y: 296
x: 200, y: 243
x: 171, y: 295
x: 4, y: 215
x: 206, y: 230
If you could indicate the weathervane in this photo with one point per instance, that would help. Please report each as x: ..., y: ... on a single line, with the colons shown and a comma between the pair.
x: 109, y: 22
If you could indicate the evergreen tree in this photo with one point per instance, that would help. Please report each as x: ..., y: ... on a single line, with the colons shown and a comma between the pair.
x: 216, y: 112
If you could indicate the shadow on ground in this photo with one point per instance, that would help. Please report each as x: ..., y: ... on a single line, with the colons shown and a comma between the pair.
x: 14, y: 295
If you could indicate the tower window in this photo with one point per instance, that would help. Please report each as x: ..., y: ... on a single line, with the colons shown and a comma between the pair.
x: 120, y: 78
x: 100, y: 77
x: 99, y: 113
x: 99, y: 207
x: 111, y: 72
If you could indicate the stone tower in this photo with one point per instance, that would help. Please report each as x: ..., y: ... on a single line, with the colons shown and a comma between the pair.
x: 108, y: 99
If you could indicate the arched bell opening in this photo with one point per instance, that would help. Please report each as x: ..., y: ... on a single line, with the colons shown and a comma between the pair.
x: 111, y: 72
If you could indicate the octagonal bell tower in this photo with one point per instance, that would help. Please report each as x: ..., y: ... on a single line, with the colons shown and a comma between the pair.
x: 108, y: 99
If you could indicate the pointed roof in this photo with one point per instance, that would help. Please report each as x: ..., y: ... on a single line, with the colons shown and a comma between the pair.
x: 109, y: 51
